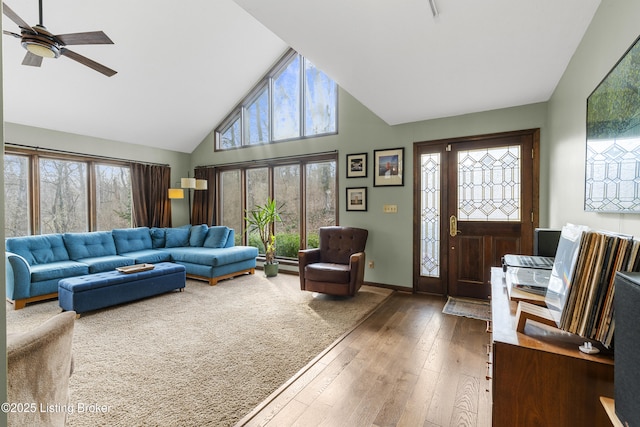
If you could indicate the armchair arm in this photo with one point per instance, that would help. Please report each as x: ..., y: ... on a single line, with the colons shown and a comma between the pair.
x: 18, y: 276
x: 305, y: 257
x: 356, y: 263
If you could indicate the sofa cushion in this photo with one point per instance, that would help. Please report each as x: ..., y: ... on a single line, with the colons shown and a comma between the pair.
x: 150, y: 256
x: 58, y: 270
x: 213, y: 257
x: 89, y: 245
x: 158, y: 237
x: 41, y: 249
x: 216, y: 237
x: 197, y: 235
x: 327, y: 272
x: 176, y: 237
x: 132, y: 239
x: 106, y: 263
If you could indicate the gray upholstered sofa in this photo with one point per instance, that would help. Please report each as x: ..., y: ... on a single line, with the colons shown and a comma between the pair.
x: 39, y: 364
x: 35, y: 264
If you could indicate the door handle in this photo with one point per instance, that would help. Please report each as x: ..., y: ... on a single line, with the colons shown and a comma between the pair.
x: 453, y: 226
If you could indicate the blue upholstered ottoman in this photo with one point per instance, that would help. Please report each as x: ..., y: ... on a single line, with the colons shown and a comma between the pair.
x: 100, y: 290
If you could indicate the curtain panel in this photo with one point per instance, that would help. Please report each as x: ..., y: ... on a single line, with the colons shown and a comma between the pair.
x: 151, y: 204
x: 203, y: 200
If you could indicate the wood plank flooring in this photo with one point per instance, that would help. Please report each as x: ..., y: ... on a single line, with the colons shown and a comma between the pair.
x: 408, y: 364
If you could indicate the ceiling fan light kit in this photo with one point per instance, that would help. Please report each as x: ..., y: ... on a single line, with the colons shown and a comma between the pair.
x: 39, y: 49
x: 40, y: 43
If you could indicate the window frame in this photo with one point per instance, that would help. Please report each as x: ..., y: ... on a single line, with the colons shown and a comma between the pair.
x: 84, y: 179
x: 29, y: 185
x: 239, y: 112
x: 270, y: 164
x: 244, y: 114
x: 34, y: 155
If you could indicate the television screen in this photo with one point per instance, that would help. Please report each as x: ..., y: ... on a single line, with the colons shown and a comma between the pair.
x: 545, y: 241
x: 627, y: 349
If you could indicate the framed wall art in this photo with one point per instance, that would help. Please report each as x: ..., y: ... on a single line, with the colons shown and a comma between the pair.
x: 613, y: 139
x: 388, y: 167
x: 357, y: 165
x: 357, y: 199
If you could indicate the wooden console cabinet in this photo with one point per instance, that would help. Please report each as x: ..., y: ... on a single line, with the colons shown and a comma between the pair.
x: 539, y: 377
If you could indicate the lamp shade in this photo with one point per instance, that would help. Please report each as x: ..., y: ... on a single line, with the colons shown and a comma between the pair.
x: 201, y: 184
x: 176, y: 193
x: 188, y: 182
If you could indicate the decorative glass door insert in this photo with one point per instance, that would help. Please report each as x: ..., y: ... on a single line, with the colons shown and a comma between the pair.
x: 430, y: 214
x: 489, y: 184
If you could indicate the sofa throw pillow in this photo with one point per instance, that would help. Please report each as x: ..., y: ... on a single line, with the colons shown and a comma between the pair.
x: 158, y: 236
x: 198, y: 234
x: 176, y: 237
x: 216, y: 237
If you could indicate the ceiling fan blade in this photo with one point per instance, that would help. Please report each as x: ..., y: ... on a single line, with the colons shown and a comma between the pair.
x: 88, y: 62
x: 32, y: 60
x: 15, y: 18
x: 9, y: 33
x: 92, y: 37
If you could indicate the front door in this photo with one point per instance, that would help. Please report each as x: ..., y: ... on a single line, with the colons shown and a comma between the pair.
x: 474, y: 202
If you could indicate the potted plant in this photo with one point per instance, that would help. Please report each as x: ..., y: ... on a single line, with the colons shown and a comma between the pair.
x: 262, y: 219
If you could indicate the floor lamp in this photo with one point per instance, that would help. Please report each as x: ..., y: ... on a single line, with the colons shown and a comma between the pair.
x: 175, y: 193
x: 192, y: 184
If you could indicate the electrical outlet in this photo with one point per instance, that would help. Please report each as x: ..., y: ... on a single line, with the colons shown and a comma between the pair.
x: 370, y: 264
x: 390, y: 208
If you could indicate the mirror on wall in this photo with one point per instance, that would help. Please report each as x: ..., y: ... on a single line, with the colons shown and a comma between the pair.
x: 612, y: 175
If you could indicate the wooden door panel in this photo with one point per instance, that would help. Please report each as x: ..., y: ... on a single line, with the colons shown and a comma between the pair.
x: 496, y: 213
x: 469, y: 258
x: 490, y: 193
x: 479, y: 247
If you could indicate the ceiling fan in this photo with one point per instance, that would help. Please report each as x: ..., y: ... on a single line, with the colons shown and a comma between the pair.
x: 40, y: 43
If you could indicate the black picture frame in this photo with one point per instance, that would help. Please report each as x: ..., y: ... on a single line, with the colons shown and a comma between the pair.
x: 357, y: 199
x: 357, y: 165
x: 388, y: 167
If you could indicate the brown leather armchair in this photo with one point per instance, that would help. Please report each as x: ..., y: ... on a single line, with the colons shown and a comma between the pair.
x: 337, y: 266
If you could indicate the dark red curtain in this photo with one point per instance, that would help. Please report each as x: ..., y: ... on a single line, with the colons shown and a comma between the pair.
x: 151, y: 204
x: 203, y: 210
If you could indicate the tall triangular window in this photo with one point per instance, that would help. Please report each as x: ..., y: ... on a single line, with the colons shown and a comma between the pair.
x: 295, y: 100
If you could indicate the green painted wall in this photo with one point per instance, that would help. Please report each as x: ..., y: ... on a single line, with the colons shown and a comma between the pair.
x: 612, y: 31
x: 390, y: 235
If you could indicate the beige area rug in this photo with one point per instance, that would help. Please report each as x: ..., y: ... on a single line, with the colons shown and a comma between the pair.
x: 203, y: 357
x: 466, y: 307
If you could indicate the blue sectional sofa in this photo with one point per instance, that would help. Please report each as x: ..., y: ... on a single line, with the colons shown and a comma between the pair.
x: 35, y: 264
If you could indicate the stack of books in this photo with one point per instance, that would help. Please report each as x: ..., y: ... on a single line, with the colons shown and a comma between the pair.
x: 588, y: 309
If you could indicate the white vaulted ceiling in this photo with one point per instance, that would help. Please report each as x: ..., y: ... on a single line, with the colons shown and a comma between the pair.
x: 183, y: 65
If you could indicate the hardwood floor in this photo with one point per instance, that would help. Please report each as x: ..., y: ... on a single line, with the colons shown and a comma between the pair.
x: 408, y: 364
